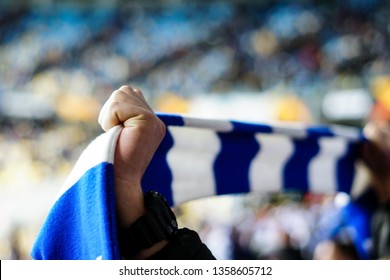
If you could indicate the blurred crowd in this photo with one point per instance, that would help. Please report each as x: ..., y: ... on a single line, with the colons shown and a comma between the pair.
x: 66, y: 59
x: 192, y: 48
x: 281, y: 226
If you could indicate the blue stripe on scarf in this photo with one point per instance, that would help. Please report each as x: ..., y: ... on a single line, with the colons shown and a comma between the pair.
x: 243, y: 127
x: 171, y: 119
x: 231, y: 167
x: 296, y: 169
x: 319, y: 131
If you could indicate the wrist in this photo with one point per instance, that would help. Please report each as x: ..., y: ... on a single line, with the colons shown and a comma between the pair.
x: 130, y: 208
x: 150, y: 232
x: 130, y: 203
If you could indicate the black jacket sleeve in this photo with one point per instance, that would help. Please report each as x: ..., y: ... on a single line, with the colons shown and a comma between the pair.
x: 184, y: 245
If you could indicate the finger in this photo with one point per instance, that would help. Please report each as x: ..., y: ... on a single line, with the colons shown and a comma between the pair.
x: 125, y: 109
x: 104, y: 109
x: 123, y: 95
x: 134, y: 93
x: 127, y: 90
x: 120, y: 113
x: 114, y: 95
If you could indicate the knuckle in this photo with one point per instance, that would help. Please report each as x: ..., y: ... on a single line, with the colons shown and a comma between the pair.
x: 118, y: 95
x: 114, y: 106
x: 138, y: 91
x: 126, y: 88
x: 114, y: 110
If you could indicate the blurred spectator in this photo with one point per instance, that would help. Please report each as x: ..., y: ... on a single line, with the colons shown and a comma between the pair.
x: 334, y: 250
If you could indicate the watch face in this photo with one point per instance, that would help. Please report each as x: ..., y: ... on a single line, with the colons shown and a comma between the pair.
x: 156, y: 203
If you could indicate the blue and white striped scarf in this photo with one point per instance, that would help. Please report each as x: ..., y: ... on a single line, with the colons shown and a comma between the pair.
x: 197, y: 158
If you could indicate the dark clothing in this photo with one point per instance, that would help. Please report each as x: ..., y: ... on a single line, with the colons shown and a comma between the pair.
x: 184, y: 245
x: 381, y: 232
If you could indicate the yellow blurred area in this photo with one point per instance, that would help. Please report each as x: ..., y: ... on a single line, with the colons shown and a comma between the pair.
x: 292, y: 109
x: 77, y: 108
x: 45, y: 83
x: 381, y: 90
x: 172, y: 103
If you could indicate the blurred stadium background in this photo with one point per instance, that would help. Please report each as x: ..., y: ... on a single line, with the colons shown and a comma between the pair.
x: 308, y: 61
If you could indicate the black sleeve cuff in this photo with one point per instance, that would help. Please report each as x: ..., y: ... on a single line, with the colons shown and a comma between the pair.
x: 381, y: 232
x: 184, y: 245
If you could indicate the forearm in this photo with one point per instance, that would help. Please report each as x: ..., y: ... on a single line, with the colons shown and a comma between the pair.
x: 130, y: 207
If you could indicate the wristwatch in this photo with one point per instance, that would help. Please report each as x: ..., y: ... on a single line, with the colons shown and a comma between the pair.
x: 157, y: 224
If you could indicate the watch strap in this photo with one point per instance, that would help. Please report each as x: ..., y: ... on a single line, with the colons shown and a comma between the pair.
x: 158, y: 223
